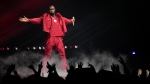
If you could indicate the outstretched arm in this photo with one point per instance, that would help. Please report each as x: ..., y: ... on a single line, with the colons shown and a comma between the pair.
x: 31, y: 20
x: 24, y: 19
x: 69, y: 21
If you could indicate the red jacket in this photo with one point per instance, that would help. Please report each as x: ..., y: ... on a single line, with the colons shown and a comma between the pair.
x: 46, y: 20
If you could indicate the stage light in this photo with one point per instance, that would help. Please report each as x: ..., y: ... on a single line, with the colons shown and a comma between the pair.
x: 16, y: 48
x: 28, y: 48
x: 133, y: 52
x: 7, y: 48
x: 66, y: 47
x: 76, y: 46
x: 43, y: 47
x: 40, y: 48
x: 2, y: 49
x: 34, y: 48
x: 70, y: 46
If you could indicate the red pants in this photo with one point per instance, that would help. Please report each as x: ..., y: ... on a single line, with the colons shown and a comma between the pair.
x: 56, y: 42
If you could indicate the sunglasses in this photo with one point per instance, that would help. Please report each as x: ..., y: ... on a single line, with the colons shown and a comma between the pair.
x: 51, y: 9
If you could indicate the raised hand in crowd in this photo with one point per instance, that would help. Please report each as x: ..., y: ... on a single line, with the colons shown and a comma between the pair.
x: 32, y: 68
x: 39, y: 68
x: 50, y: 68
x: 125, y: 68
x: 72, y: 66
x: 52, y: 73
x: 121, y: 60
x: 80, y: 65
x: 115, y: 68
x: 92, y: 67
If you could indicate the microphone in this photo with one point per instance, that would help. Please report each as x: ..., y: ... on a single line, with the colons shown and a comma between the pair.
x: 73, y: 18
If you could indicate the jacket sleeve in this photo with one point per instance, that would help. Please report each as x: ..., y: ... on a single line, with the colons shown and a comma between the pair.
x: 67, y: 21
x: 36, y: 20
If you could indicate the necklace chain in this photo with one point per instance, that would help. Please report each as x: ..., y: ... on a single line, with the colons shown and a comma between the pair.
x: 54, y: 19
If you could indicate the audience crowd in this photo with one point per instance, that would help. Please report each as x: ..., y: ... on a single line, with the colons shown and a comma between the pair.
x: 79, y: 74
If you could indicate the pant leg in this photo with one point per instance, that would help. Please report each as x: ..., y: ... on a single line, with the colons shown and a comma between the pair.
x: 48, y: 51
x: 60, y: 48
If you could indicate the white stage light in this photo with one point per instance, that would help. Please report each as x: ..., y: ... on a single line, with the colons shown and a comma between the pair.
x: 66, y: 47
x: 7, y: 48
x: 34, y: 48
x: 76, y: 46
x: 16, y: 48
x: 40, y: 48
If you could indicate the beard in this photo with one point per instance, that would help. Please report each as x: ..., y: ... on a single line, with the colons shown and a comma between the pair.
x: 51, y: 13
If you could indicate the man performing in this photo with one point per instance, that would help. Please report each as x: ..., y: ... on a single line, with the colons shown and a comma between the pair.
x: 54, y: 24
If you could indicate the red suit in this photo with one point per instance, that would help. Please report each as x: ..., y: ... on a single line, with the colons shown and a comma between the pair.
x: 56, y: 28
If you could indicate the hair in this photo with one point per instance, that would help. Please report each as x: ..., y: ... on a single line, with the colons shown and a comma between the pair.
x: 51, y: 5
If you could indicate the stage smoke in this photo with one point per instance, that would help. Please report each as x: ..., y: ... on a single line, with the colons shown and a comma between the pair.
x: 99, y: 60
x: 23, y: 59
